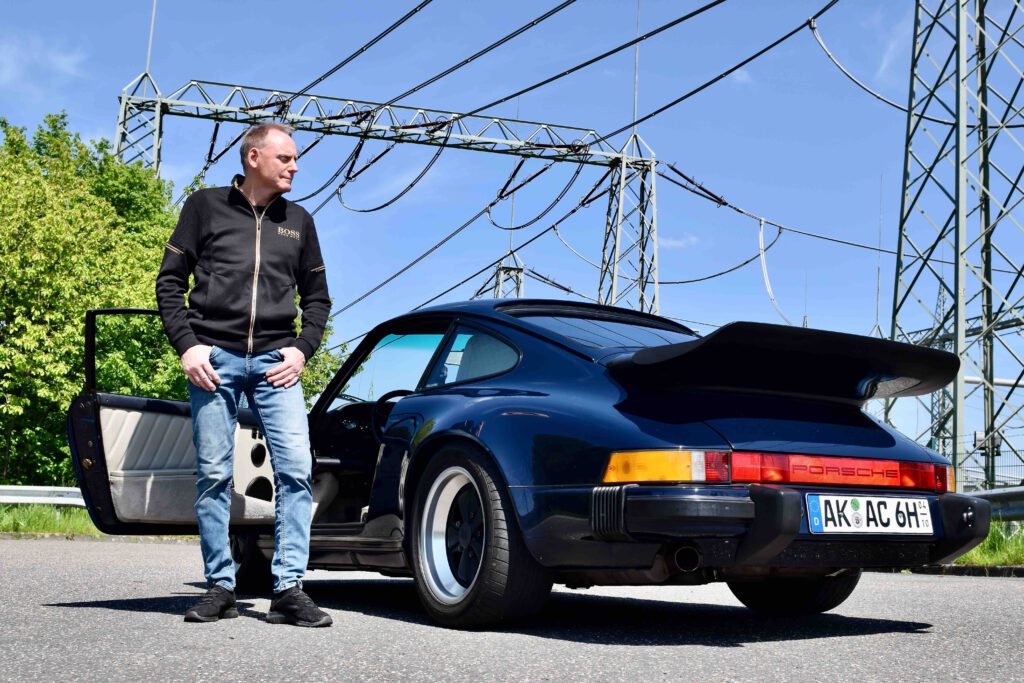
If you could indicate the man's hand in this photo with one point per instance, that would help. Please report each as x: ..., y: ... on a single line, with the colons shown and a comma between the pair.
x: 196, y: 364
x: 287, y: 373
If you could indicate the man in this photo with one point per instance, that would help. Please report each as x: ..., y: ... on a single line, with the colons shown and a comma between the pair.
x: 248, y: 249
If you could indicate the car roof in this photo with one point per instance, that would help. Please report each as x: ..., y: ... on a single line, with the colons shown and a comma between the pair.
x: 512, y: 312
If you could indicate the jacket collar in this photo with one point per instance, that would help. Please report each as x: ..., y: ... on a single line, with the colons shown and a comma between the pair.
x: 236, y: 185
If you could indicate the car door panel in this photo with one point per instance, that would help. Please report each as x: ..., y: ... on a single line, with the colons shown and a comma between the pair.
x: 138, y: 468
x: 136, y: 463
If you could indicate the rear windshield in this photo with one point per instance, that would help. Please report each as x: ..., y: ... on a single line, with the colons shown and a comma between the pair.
x: 604, y: 333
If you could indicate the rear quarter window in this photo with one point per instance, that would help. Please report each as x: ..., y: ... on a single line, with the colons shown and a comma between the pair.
x: 472, y: 354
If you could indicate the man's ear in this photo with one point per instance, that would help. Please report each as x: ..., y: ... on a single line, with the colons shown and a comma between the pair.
x: 252, y: 158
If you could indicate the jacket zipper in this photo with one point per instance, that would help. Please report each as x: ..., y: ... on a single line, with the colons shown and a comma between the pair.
x: 256, y: 269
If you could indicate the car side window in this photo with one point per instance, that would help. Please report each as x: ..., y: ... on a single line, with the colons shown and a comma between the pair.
x: 469, y: 355
x: 396, y: 362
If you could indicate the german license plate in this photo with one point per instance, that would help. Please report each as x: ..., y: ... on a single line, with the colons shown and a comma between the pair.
x: 827, y: 514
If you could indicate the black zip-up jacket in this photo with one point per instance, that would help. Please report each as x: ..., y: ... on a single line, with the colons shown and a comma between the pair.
x: 247, y: 262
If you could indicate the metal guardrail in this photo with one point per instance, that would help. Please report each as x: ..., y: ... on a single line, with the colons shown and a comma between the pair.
x: 41, y: 495
x: 1007, y: 504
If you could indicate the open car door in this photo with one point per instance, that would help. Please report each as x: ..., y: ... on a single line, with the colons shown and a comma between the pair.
x: 133, y: 455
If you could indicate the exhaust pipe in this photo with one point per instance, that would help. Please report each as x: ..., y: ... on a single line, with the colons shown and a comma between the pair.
x: 686, y: 559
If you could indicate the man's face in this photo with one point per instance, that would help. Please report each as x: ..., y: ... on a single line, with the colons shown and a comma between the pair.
x: 274, y: 164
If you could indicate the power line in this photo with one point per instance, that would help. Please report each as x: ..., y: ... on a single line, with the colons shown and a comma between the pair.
x: 578, y: 254
x: 149, y: 45
x: 879, y: 96
x: 369, y: 114
x: 764, y: 272
x: 498, y: 43
x: 557, y: 285
x: 727, y: 270
x: 704, y: 193
x: 427, y: 253
x: 211, y: 159
x: 485, y: 286
x: 446, y: 72
x: 699, y: 190
x: 677, y: 282
x: 348, y: 161
x: 587, y: 199
x: 692, y: 322
x: 709, y: 83
x: 501, y: 41
x: 505, y: 193
x: 209, y: 163
x: 373, y: 41
x: 406, y: 189
x: 594, y: 60
x: 409, y: 265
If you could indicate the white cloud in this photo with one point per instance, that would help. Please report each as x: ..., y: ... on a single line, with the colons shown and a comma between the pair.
x: 687, y: 240
x: 27, y: 60
x: 897, y: 39
x: 742, y: 76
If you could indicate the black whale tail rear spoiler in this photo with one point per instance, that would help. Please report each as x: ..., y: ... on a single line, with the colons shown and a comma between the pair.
x: 763, y: 358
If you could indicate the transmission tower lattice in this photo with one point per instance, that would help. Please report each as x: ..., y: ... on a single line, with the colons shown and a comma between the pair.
x: 961, y: 240
x: 509, y: 281
x: 629, y: 273
x: 629, y: 255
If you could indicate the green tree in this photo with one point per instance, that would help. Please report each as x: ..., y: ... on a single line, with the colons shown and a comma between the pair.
x: 321, y: 367
x: 80, y: 230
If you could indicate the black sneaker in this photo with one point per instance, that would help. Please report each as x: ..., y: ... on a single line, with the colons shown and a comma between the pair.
x: 216, y: 603
x: 292, y: 606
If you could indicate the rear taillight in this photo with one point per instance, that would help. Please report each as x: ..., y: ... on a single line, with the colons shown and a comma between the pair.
x: 945, y: 479
x: 667, y: 465
x: 785, y: 468
x: 744, y: 467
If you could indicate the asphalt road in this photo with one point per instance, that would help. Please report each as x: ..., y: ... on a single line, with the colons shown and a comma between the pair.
x: 112, y: 611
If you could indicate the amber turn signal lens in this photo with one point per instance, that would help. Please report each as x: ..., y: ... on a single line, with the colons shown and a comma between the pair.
x: 677, y: 466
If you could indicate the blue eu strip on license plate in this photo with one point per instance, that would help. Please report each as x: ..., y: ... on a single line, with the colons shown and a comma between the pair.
x: 830, y: 514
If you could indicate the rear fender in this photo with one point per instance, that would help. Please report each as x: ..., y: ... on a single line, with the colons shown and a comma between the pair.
x: 416, y: 460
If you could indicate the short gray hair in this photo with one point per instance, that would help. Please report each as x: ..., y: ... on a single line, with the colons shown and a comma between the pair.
x: 255, y: 136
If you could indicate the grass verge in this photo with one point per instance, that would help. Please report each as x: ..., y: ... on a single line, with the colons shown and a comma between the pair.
x: 46, y: 519
x: 1004, y: 546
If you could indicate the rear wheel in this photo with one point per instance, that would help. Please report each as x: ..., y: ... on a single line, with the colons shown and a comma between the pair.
x: 786, y: 596
x: 472, y: 568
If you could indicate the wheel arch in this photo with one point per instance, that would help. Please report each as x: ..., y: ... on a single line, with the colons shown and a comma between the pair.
x: 428, y: 448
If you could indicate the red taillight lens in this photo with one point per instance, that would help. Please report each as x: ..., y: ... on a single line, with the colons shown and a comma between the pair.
x: 833, y: 471
x: 746, y: 466
x: 917, y: 475
x: 716, y: 466
x: 775, y: 467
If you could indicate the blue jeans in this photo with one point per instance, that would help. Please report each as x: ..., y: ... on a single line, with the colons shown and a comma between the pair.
x: 281, y: 414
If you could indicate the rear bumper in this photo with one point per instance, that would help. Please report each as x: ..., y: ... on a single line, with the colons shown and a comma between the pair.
x: 766, y: 526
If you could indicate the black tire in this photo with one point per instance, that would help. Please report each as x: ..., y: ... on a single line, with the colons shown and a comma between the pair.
x: 253, y: 573
x: 790, y: 597
x: 481, y: 574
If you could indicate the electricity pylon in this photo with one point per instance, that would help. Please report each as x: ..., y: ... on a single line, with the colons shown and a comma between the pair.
x: 629, y: 257
x: 629, y: 274
x: 958, y: 278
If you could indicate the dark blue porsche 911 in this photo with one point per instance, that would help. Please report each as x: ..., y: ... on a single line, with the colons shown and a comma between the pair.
x: 492, y: 448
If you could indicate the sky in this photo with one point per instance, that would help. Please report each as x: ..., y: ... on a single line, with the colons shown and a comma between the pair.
x: 787, y: 137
